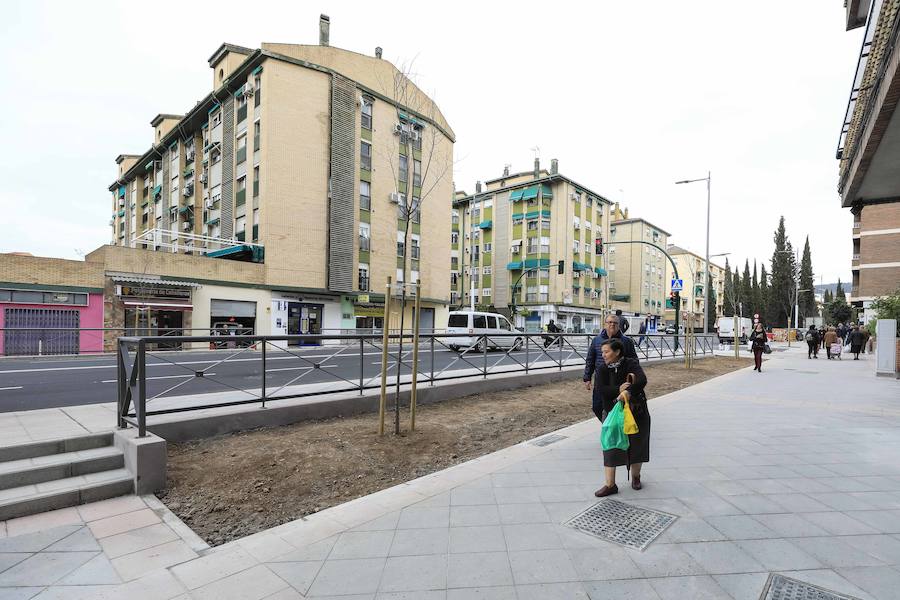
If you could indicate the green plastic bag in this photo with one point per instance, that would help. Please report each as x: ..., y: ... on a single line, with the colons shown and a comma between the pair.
x: 612, y: 434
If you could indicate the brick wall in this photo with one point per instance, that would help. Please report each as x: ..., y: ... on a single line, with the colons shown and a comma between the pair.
x: 49, y: 271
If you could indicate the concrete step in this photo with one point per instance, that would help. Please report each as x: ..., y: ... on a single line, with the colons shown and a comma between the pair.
x: 57, y: 446
x: 61, y: 493
x: 41, y: 469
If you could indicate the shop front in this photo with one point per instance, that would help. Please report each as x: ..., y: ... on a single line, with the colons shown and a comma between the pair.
x: 38, y: 320
x: 154, y: 307
x: 305, y: 314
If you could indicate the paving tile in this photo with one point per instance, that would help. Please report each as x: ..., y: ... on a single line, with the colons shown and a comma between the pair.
x: 756, y: 504
x: 97, y: 571
x: 513, y: 514
x: 124, y: 522
x: 266, y: 546
x: 881, y: 582
x: 413, y: 542
x: 38, y: 540
x: 788, y: 525
x: 8, y: 559
x: 835, y: 552
x: 726, y: 488
x: 743, y: 586
x: 722, y: 557
x: 213, y: 566
x: 692, y: 586
x: 362, y: 544
x: 665, y: 560
x: 691, y: 529
x: 479, y: 569
x: 315, y: 551
x: 414, y: 573
x: 798, y: 503
x: 80, y: 541
x: 484, y: 538
x: 541, y: 566
x: 26, y: 593
x: 741, y: 527
x: 830, y: 580
x: 779, y: 555
x: 473, y: 496
x: 300, y: 575
x: 420, y: 517
x: 121, y: 544
x: 344, y: 577
x: 382, y: 523
x: 883, y: 547
x: 110, y: 508
x: 517, y: 495
x: 532, y: 536
x: 707, y: 506
x: 285, y: 594
x: 626, y: 589
x: 841, y: 501
x: 838, y: 523
x: 552, y: 591
x: 885, y: 500
x: 505, y: 592
x: 416, y: 595
x: 884, y: 521
x: 41, y: 521
x: 466, y: 516
x: 45, y: 568
x: 608, y: 562
x: 253, y: 584
x: 134, y: 565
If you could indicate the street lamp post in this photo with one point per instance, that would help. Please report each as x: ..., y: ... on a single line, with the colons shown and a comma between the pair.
x: 708, y: 180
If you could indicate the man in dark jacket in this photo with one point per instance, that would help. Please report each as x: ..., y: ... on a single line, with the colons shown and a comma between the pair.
x: 812, y: 342
x: 623, y: 322
x: 610, y: 331
x: 856, y: 338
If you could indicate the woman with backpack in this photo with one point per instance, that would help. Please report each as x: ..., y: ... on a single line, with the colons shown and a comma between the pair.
x: 812, y: 342
x: 758, y: 341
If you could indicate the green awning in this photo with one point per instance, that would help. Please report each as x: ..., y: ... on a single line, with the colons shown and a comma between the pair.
x: 256, y: 70
x: 184, y: 209
x: 537, y: 262
x: 149, y: 166
x: 600, y: 271
x: 486, y: 224
x: 545, y: 213
x: 588, y: 290
x: 213, y: 221
x: 516, y: 195
x: 121, y: 212
x: 517, y: 216
x: 121, y: 191
x: 620, y: 297
x: 530, y: 193
x: 514, y: 266
x: 546, y: 190
x: 533, y: 214
x: 157, y: 190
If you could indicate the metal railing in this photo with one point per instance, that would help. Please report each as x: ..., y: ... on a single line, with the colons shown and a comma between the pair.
x: 347, y: 367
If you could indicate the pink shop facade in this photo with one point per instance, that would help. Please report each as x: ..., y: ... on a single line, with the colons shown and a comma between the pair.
x: 43, y: 320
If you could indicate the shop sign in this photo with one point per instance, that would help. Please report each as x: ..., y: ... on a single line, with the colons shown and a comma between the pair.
x: 145, y: 291
x: 369, y: 311
x: 363, y: 298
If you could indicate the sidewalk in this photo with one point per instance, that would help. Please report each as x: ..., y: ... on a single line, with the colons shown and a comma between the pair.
x: 793, y: 470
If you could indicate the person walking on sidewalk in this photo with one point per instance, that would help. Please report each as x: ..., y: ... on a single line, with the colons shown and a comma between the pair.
x: 758, y: 342
x: 822, y: 336
x: 611, y: 331
x: 607, y: 376
x: 549, y: 340
x: 812, y: 342
x: 831, y: 337
x: 857, y: 338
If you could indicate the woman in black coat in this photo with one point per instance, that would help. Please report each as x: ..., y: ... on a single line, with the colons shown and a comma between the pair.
x: 614, y: 373
x: 758, y: 341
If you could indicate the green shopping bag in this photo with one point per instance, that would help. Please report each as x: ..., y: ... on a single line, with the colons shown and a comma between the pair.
x: 612, y: 434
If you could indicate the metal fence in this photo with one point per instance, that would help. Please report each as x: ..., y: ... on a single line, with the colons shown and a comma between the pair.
x: 73, y: 341
x: 253, y: 371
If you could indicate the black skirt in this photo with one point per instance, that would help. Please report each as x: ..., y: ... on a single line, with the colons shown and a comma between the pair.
x: 638, y: 443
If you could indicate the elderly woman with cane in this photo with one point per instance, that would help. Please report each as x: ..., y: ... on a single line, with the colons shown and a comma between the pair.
x: 612, y: 376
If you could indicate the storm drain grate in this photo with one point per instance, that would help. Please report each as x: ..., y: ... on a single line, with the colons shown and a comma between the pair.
x: 631, y: 526
x: 779, y: 587
x: 548, y: 439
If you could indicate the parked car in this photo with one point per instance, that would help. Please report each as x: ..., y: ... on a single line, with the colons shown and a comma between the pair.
x: 670, y: 330
x: 480, y: 324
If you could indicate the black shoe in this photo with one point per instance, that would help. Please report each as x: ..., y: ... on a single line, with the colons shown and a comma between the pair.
x: 607, y: 491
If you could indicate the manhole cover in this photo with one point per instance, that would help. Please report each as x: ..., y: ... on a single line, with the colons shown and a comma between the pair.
x: 779, y: 587
x: 624, y: 524
x: 548, y: 439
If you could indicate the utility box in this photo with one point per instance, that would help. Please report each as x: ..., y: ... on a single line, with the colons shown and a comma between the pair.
x: 886, y: 347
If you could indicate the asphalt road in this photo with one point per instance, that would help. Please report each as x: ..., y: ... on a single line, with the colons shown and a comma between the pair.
x: 49, y: 382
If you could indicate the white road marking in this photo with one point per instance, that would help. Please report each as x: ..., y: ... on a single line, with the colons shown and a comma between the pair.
x: 162, y: 377
x: 297, y: 368
x: 13, y: 387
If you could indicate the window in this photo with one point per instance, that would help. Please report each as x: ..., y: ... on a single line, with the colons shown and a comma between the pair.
x: 576, y: 222
x: 532, y: 274
x: 488, y: 203
x: 414, y: 248
x: 365, y: 195
x: 217, y: 118
x: 365, y: 156
x: 363, y: 277
x: 454, y: 279
x: 241, y: 155
x: 366, y: 114
x: 534, y: 245
x: 487, y: 292
x: 256, y: 135
x: 532, y: 225
x: 454, y: 237
x: 242, y: 108
x: 416, y: 210
x: 503, y: 324
x: 365, y: 233
x: 455, y: 218
x: 401, y: 245
x: 476, y: 216
x: 576, y: 246
x: 545, y: 273
x: 255, y: 182
x: 240, y: 196
x: 403, y: 170
x: 486, y: 270
x: 257, y: 95
x: 545, y: 245
x: 487, y: 247
x: 417, y: 173
x: 545, y: 225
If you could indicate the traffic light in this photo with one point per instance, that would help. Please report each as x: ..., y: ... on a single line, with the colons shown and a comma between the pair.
x: 561, y: 267
x: 598, y: 246
x: 672, y: 302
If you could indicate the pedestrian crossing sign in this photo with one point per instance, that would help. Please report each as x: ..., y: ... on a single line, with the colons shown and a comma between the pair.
x: 677, y: 285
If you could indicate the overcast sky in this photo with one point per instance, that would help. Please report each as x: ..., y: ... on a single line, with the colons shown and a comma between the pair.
x: 629, y: 96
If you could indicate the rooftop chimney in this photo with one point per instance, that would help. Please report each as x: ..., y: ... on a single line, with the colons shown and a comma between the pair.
x: 506, y: 170
x: 554, y: 166
x: 537, y: 168
x: 378, y: 52
x: 477, y: 187
x: 324, y: 26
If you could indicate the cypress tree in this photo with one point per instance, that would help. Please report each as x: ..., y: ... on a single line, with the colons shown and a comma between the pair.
x: 764, y: 302
x: 807, y: 300
x: 781, y: 286
x: 729, y: 289
x: 747, y: 290
x: 839, y: 291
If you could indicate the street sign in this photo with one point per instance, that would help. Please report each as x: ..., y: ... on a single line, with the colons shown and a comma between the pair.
x: 364, y: 298
x: 677, y: 285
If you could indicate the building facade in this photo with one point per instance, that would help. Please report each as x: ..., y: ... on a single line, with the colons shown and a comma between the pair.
x: 637, y: 271
x: 692, y: 272
x: 303, y: 159
x: 530, y: 245
x: 869, y: 153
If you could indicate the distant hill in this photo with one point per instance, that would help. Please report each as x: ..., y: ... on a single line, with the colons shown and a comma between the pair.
x: 820, y: 289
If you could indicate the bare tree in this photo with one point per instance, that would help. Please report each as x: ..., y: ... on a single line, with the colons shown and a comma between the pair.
x: 420, y: 159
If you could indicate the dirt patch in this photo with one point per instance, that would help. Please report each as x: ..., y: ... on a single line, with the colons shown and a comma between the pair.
x: 231, y: 486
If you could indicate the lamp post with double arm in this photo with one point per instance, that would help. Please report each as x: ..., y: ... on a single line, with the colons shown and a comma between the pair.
x: 708, y: 180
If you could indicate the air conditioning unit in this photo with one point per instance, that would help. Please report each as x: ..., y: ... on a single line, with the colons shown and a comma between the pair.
x: 516, y: 249
x: 186, y: 226
x: 398, y: 128
x: 204, y: 177
x: 157, y: 165
x: 414, y: 135
x: 248, y: 89
x: 574, y: 196
x: 208, y: 202
x: 397, y: 198
x: 595, y: 294
x: 188, y: 191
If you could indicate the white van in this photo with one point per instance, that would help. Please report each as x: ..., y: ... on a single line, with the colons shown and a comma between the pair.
x: 477, y: 324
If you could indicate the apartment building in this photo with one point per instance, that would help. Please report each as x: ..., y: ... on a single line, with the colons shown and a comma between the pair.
x: 530, y: 244
x: 637, y: 271
x: 304, y: 159
x: 869, y: 153
x: 692, y: 272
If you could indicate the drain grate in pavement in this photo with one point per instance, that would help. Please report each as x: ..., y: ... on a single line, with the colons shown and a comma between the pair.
x: 548, y: 439
x: 624, y: 524
x: 779, y: 587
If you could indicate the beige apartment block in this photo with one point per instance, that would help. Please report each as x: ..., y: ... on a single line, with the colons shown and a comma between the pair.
x: 869, y: 154
x: 510, y: 237
x: 303, y: 159
x: 637, y: 266
x: 692, y: 272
